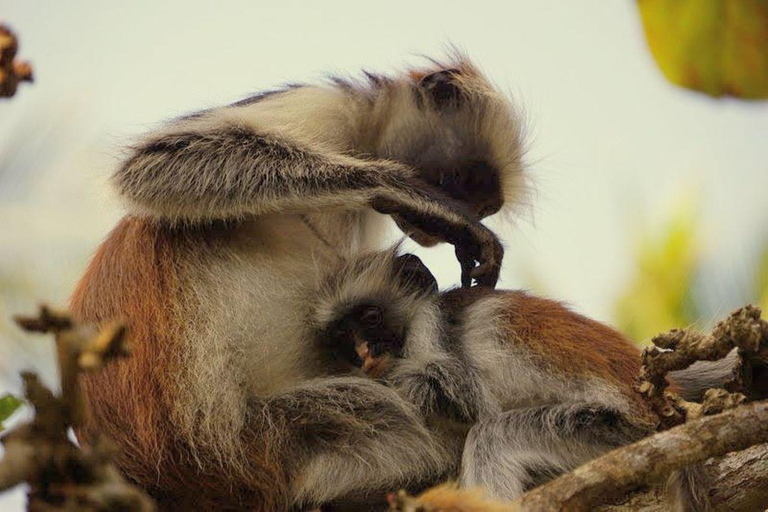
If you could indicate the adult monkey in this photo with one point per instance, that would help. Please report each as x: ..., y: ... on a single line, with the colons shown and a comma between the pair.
x: 233, y: 210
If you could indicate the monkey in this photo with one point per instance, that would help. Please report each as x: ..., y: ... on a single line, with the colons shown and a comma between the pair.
x: 232, y: 213
x: 540, y: 388
x: 379, y: 310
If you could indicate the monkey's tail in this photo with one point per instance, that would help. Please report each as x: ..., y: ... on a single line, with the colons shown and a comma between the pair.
x: 702, y: 375
x: 687, y: 488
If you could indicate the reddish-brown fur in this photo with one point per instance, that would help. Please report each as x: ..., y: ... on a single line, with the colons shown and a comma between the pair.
x: 137, y: 275
x: 568, y: 343
x: 574, y: 344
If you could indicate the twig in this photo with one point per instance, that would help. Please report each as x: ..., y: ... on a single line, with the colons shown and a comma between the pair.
x: 79, y: 348
x: 12, y: 71
x: 680, y: 348
x: 60, y: 475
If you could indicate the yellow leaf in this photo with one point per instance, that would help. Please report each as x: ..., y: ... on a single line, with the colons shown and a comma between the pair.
x: 667, y: 260
x: 719, y: 47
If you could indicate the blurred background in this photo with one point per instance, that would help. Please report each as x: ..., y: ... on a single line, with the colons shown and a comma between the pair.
x: 650, y: 205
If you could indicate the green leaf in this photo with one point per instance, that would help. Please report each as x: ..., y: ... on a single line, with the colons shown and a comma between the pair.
x: 719, y: 47
x: 8, y: 405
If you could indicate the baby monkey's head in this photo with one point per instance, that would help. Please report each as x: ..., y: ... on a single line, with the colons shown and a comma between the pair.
x: 366, y: 307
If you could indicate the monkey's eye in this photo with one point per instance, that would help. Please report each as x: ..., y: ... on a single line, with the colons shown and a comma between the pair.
x: 371, y: 316
x: 441, y: 86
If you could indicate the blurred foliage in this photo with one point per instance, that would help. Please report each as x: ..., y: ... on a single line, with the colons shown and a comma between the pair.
x: 719, y: 47
x: 667, y: 269
x: 659, y: 297
x: 762, y: 281
x: 8, y: 405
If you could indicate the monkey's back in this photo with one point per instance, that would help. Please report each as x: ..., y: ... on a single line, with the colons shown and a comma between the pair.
x: 561, y: 343
x: 138, y: 275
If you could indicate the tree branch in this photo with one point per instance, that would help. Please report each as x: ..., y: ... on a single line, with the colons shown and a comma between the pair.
x: 12, y: 71
x: 650, y: 459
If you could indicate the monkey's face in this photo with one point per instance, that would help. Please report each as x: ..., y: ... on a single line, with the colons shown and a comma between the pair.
x: 370, y: 331
x: 456, y: 160
x: 365, y: 338
x: 461, y: 137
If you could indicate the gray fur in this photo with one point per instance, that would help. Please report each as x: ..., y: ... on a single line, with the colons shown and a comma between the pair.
x: 525, y: 424
x: 702, y: 375
x: 519, y: 449
x: 352, y: 435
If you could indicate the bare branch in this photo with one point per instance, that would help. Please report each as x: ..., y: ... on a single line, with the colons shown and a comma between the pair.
x: 680, y: 348
x: 12, y: 71
x: 650, y: 459
x: 61, y: 476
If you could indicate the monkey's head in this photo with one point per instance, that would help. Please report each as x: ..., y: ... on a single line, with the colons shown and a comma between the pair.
x: 366, y: 307
x: 459, y: 132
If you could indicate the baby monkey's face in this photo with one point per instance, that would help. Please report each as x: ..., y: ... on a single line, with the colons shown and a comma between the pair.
x: 367, y: 339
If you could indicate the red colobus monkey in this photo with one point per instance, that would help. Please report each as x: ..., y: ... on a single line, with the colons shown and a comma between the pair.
x: 539, y: 389
x: 524, y: 388
x: 233, y: 212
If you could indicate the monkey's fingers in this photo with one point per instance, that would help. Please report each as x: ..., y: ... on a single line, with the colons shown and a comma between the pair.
x: 467, y: 262
x: 486, y: 274
x: 373, y: 366
x: 480, y: 263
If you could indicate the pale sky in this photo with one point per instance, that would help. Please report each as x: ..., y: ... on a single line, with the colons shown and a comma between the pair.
x: 613, y: 145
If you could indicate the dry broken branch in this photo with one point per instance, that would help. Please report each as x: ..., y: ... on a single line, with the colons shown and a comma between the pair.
x: 680, y: 348
x: 650, y: 459
x: 12, y: 71
x: 60, y: 475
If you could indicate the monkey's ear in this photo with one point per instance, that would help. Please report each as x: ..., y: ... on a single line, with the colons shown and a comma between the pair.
x: 414, y: 273
x: 442, y: 87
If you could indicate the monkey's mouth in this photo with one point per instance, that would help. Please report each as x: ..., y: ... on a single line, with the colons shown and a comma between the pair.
x: 417, y: 235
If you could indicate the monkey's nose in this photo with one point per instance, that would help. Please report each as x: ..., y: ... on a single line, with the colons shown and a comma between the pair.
x: 490, y: 208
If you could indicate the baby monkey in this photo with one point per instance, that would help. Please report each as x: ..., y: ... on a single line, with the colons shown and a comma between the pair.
x: 367, y: 331
x: 539, y: 388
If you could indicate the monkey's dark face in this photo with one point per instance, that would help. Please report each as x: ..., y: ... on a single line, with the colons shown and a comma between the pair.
x: 453, y: 165
x: 447, y: 152
x: 473, y: 182
x: 365, y: 338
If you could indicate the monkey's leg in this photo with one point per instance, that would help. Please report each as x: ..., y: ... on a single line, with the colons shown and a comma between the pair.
x: 519, y: 449
x: 352, y: 440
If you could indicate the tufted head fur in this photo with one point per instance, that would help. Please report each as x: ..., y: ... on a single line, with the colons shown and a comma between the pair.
x: 450, y: 123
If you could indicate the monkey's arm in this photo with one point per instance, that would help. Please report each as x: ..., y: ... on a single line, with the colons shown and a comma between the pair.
x: 229, y: 170
x: 347, y: 438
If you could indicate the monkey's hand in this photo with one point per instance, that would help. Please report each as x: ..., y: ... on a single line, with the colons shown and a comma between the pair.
x: 373, y: 359
x: 429, y: 216
x: 480, y: 259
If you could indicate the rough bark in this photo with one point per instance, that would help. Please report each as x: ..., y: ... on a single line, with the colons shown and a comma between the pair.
x: 677, y: 349
x: 650, y: 459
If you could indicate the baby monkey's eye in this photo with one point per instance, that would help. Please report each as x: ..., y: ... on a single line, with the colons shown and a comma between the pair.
x: 371, y: 316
